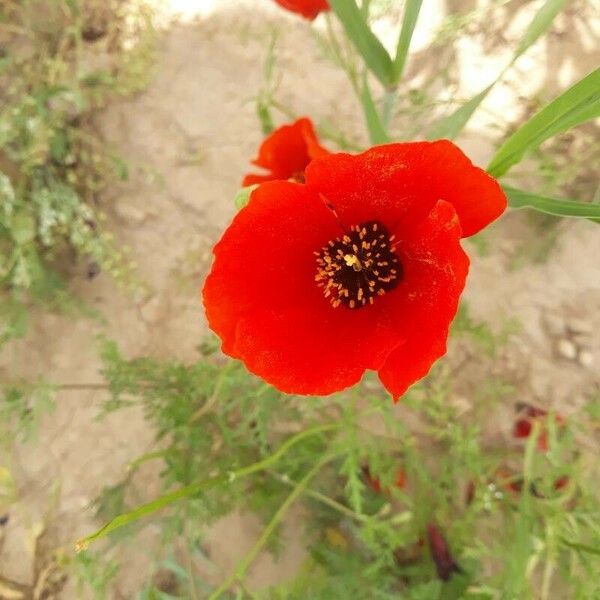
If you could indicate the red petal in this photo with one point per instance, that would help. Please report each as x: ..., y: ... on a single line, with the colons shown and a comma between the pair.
x: 509, y: 481
x: 286, y: 152
x: 400, y: 479
x: 522, y: 428
x: 252, y: 179
x: 307, y: 8
x: 372, y: 482
x: 440, y: 553
x: 261, y: 298
x: 404, y: 181
x: 435, y: 269
x: 561, y: 482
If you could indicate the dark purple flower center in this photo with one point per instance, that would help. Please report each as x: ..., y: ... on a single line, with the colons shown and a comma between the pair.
x: 358, y: 266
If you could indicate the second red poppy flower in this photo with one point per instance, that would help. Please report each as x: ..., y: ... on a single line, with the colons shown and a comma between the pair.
x: 286, y: 153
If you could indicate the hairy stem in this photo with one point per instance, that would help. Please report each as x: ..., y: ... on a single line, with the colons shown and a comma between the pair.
x: 242, y: 567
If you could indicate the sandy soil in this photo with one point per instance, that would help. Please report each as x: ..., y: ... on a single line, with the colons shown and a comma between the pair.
x: 190, y: 137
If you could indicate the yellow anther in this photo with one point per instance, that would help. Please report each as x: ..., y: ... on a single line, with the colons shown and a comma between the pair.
x: 353, y: 261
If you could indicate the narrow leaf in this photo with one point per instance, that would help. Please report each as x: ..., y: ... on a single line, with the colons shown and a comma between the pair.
x: 377, y: 133
x: 411, y: 14
x: 451, y: 125
x: 578, y: 104
x: 540, y: 24
x: 369, y: 47
x: 552, y: 206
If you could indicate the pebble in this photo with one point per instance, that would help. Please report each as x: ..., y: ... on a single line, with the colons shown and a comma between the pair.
x: 586, y: 358
x: 567, y: 349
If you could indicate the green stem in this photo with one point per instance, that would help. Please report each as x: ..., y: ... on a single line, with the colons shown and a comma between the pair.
x: 290, y: 114
x: 200, y: 486
x: 135, y: 464
x: 189, y: 565
x: 240, y: 571
x: 389, y: 101
x: 337, y: 506
x: 549, y: 565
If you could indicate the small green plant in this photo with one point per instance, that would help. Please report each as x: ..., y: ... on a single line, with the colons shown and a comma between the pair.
x: 52, y: 167
x: 257, y: 449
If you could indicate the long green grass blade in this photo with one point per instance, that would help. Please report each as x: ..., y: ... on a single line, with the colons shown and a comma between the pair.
x: 578, y: 104
x: 551, y: 206
x: 540, y: 24
x: 451, y: 125
x: 375, y: 56
x: 200, y: 486
x: 377, y: 133
x: 411, y: 14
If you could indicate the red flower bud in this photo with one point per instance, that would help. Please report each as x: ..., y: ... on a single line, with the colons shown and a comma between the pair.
x: 440, y: 553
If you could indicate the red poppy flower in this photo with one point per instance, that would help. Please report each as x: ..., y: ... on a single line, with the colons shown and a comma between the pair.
x: 287, y: 152
x: 309, y: 9
x: 524, y: 425
x: 359, y: 268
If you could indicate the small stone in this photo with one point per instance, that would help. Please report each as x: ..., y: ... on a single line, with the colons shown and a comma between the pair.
x: 586, y: 358
x: 567, y: 349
